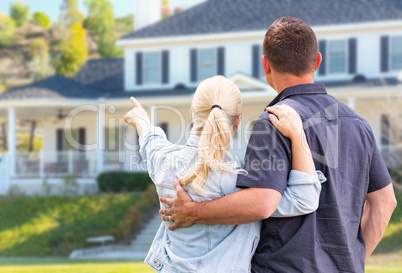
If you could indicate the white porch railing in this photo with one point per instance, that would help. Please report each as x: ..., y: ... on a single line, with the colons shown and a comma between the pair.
x: 55, y: 164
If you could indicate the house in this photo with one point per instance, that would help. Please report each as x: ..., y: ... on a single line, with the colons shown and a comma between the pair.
x: 84, y: 131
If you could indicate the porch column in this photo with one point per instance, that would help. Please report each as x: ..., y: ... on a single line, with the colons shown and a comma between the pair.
x: 352, y: 103
x: 101, y: 136
x: 11, y: 140
x: 154, y: 115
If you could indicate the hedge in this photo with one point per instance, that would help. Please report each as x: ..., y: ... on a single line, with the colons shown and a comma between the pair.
x: 396, y: 174
x: 123, y: 181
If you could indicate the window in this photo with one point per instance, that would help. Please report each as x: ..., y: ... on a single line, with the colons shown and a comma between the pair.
x: 396, y: 53
x: 152, y: 67
x: 337, y: 57
x: 206, y: 63
x: 165, y: 127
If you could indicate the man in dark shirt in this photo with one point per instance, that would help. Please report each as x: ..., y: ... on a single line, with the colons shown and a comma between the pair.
x: 338, y: 237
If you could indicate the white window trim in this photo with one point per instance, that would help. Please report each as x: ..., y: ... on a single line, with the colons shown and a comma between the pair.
x: 199, y: 63
x: 390, y: 69
x: 346, y: 57
x: 143, y: 68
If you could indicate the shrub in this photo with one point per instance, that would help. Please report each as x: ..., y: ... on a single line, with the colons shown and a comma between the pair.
x: 123, y: 181
x: 20, y: 13
x: 38, y: 48
x: 396, y: 174
x: 40, y: 18
x: 7, y: 30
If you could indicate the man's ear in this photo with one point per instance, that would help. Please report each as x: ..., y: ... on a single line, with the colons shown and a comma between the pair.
x: 236, y: 123
x: 318, y: 61
x: 265, y: 63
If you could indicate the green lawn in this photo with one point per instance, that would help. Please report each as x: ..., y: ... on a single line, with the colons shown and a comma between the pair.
x: 78, y: 266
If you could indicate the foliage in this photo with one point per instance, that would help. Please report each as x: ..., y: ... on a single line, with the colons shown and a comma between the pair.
x: 38, y: 48
x: 123, y: 181
x: 125, y: 24
x: 7, y: 30
x: 55, y: 225
x: 101, y: 22
x: 74, y: 52
x: 41, y: 68
x: 396, y: 174
x: 40, y: 18
x: 70, y: 14
x: 19, y: 12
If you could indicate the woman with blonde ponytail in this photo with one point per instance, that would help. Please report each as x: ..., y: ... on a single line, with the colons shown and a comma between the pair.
x: 207, y: 171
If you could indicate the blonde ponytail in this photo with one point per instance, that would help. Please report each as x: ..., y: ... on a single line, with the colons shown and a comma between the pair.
x: 216, y: 105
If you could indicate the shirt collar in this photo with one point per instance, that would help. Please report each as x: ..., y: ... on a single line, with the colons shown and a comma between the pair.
x: 301, y: 89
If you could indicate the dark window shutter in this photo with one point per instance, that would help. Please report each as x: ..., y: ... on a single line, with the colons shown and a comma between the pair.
x: 221, y: 61
x: 256, y: 61
x: 322, y: 47
x: 81, y: 138
x: 138, y: 60
x: 193, y: 65
x: 165, y: 127
x: 352, y: 56
x: 165, y: 66
x: 59, y: 141
x: 384, y: 54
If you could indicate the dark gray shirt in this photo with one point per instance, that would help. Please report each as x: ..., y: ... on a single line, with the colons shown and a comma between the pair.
x: 344, y: 149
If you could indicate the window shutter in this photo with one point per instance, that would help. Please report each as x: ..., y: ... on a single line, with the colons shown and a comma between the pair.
x: 165, y: 127
x: 193, y: 65
x: 256, y: 61
x: 81, y: 138
x: 59, y: 140
x: 221, y: 61
x: 352, y: 56
x: 138, y: 67
x: 384, y: 54
x: 165, y: 66
x: 322, y: 48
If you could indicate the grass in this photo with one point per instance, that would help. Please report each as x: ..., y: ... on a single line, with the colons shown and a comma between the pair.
x: 53, y: 226
x: 91, y: 266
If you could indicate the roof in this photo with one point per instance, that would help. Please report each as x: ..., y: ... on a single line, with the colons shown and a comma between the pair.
x: 217, y: 16
x: 105, y: 74
x: 56, y: 86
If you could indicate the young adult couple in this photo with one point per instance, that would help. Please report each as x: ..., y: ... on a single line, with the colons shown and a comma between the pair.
x: 269, y: 215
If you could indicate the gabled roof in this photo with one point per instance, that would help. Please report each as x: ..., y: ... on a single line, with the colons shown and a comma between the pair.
x: 105, y: 74
x: 53, y: 87
x: 217, y: 16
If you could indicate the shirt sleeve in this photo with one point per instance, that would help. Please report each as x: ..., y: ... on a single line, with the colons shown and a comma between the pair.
x: 268, y: 158
x: 302, y: 195
x: 378, y: 174
x: 154, y: 147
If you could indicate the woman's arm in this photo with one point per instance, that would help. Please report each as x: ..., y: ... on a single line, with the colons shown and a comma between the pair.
x: 302, y: 193
x: 152, y: 140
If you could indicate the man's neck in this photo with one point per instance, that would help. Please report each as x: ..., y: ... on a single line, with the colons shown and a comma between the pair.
x: 284, y: 81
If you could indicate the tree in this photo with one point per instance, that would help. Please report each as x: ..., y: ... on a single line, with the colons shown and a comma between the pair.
x: 20, y: 13
x: 74, y: 52
x: 101, y: 22
x: 70, y: 13
x: 7, y: 30
x: 38, y: 48
x: 40, y: 18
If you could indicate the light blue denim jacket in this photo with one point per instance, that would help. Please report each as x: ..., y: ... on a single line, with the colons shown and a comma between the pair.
x: 211, y: 248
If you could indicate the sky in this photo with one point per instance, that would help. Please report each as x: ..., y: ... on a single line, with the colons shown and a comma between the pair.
x: 52, y: 7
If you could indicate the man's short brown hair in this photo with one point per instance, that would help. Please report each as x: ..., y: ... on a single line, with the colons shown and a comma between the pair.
x: 291, y: 46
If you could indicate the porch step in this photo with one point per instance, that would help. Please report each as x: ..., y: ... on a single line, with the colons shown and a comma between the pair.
x: 145, y: 238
